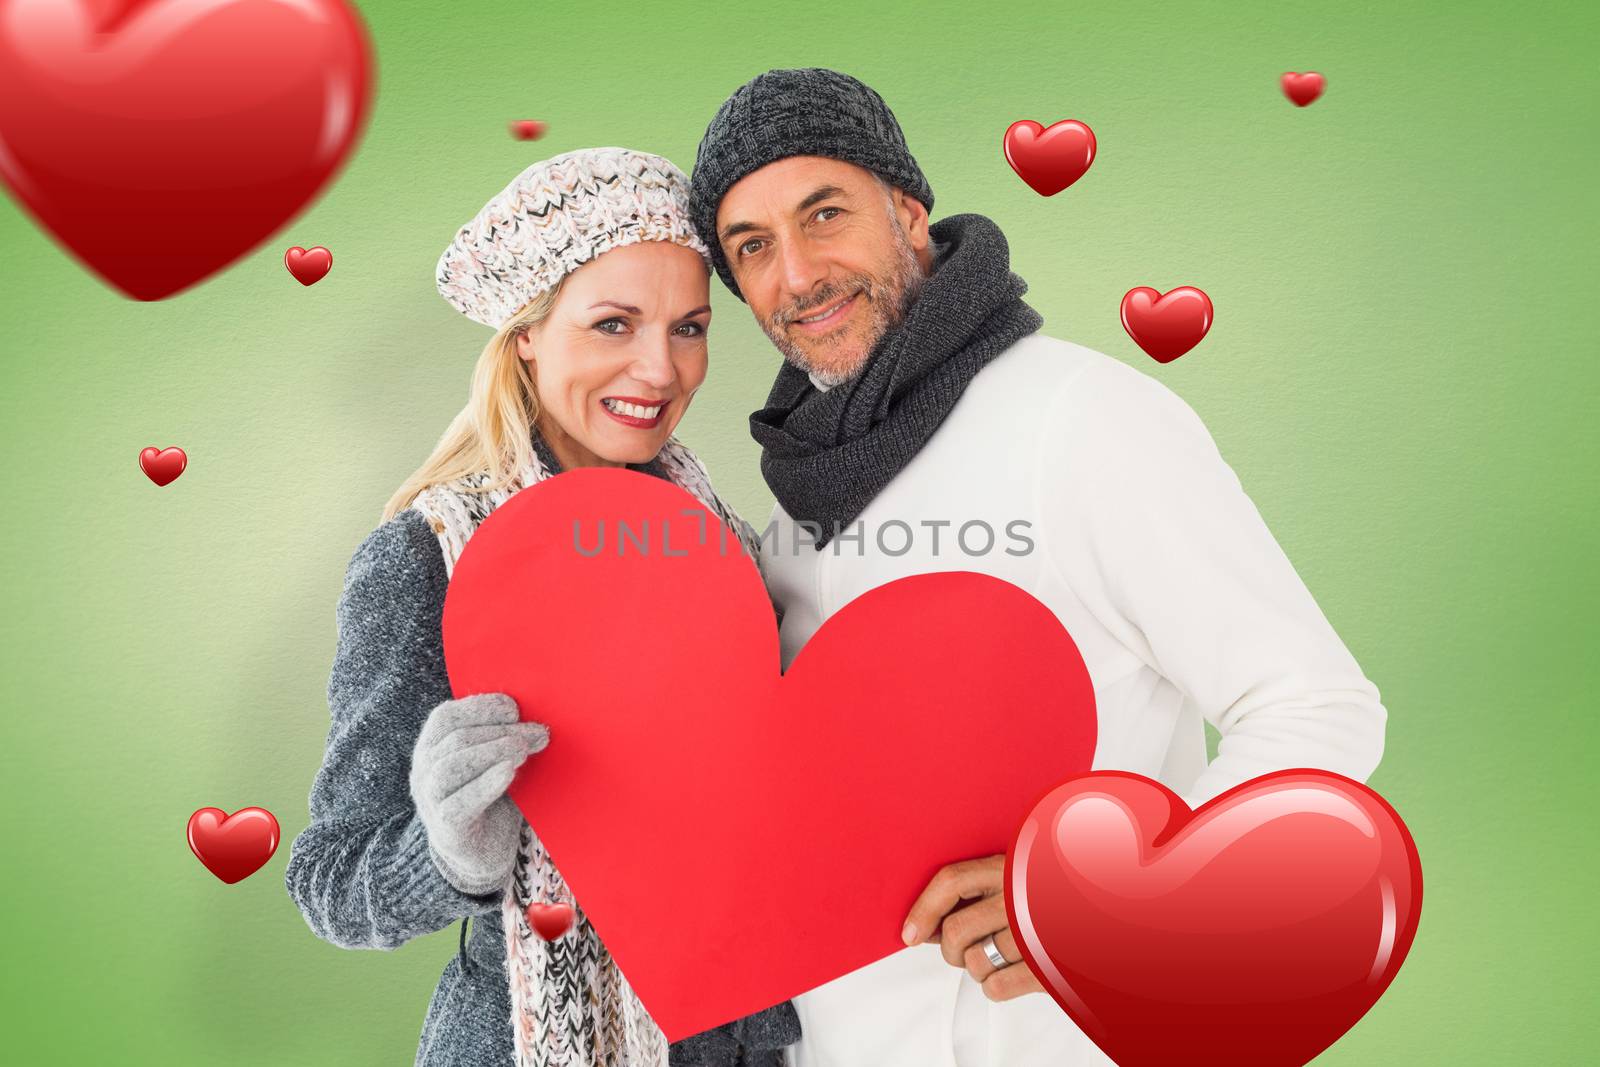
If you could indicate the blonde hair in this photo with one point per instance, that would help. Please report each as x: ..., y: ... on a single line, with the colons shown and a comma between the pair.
x: 494, y: 432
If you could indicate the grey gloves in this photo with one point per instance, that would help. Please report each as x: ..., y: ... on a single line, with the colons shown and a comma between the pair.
x: 466, y: 755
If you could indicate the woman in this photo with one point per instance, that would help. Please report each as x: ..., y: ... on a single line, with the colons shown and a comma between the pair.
x: 591, y: 275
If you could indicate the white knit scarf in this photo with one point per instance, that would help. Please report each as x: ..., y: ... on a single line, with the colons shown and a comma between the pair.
x: 570, y: 1004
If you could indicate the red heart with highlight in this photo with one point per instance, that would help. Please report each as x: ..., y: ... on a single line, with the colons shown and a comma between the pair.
x: 1051, y: 159
x: 549, y: 921
x: 161, y: 141
x: 1253, y: 931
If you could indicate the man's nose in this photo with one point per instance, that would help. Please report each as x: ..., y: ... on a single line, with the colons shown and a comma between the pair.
x: 803, y: 267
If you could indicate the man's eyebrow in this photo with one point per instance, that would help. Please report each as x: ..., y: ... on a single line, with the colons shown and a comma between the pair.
x: 820, y: 194
x: 630, y: 309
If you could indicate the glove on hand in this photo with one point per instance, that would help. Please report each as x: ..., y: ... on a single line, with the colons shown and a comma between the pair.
x: 465, y: 758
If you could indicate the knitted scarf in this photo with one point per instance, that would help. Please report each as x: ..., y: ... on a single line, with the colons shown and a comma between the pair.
x: 827, y: 453
x: 570, y: 1004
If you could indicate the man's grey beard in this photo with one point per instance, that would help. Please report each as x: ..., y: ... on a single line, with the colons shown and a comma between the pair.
x: 887, y: 309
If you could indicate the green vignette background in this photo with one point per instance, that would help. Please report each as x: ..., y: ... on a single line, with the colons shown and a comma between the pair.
x: 1401, y: 372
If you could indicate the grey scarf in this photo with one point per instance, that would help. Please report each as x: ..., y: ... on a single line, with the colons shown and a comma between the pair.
x: 827, y: 453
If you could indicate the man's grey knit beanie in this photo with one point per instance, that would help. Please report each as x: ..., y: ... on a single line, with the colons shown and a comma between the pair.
x: 807, y: 112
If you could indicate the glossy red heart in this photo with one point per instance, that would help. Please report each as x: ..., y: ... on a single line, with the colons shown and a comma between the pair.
x: 233, y: 847
x: 549, y: 921
x: 1303, y: 88
x: 738, y: 835
x: 308, y: 265
x: 1051, y: 159
x: 161, y: 141
x: 163, y: 465
x: 1166, y: 326
x: 1258, y: 928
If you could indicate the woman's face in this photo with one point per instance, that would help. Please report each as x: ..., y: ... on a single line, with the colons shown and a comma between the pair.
x: 621, y: 354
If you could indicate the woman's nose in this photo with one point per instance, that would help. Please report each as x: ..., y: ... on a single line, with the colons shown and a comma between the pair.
x: 653, y: 365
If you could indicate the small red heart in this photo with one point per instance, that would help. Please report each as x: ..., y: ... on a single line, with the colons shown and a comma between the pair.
x: 1166, y: 326
x: 549, y: 921
x: 163, y: 465
x: 1303, y: 88
x: 1049, y: 159
x: 160, y: 142
x: 308, y: 265
x: 233, y: 847
x: 1258, y: 928
x: 527, y: 129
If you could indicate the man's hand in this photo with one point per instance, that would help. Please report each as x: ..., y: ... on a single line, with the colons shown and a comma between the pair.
x: 961, y: 931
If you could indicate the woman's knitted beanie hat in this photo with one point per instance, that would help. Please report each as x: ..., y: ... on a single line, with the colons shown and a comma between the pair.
x: 555, y: 216
x: 811, y: 111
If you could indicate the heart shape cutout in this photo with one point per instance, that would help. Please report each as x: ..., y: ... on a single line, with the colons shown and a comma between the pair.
x: 160, y: 142
x: 1258, y: 928
x: 549, y: 921
x: 1051, y: 159
x: 233, y: 847
x: 737, y: 835
x: 1166, y: 326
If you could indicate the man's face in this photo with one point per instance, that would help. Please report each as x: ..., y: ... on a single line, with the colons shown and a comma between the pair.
x: 827, y: 255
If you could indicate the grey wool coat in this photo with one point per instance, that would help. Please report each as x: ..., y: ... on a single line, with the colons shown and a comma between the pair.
x: 361, y: 873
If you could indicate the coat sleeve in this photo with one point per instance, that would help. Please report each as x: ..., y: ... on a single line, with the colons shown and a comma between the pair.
x: 1154, y: 533
x: 361, y: 872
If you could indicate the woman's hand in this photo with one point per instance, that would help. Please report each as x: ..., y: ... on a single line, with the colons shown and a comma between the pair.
x: 466, y: 756
x: 962, y: 932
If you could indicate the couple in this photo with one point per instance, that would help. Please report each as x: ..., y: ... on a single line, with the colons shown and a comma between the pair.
x: 916, y: 399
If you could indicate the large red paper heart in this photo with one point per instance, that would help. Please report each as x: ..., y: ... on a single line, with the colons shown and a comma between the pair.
x: 1253, y: 931
x: 160, y: 141
x: 737, y: 835
x: 1050, y: 159
x: 1166, y: 326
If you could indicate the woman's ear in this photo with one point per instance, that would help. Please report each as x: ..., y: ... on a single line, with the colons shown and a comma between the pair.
x: 525, y: 346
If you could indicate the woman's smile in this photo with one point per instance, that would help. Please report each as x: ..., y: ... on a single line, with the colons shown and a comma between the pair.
x: 640, y: 412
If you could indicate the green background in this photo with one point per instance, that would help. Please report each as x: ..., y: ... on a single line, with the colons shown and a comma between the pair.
x: 1402, y: 372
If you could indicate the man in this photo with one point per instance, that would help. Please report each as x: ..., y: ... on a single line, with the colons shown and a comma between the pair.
x: 920, y: 422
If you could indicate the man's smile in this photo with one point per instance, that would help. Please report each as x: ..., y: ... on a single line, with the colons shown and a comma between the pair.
x: 829, y: 317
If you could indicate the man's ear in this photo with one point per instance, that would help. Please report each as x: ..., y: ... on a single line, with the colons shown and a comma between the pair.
x: 913, y: 217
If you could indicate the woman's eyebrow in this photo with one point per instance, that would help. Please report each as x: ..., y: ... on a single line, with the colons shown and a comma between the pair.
x: 630, y: 309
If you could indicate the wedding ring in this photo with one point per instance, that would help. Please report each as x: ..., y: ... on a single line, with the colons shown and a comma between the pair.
x: 992, y: 950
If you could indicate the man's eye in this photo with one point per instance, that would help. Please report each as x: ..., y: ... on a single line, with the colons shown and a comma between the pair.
x: 826, y: 209
x: 601, y: 326
x: 744, y: 249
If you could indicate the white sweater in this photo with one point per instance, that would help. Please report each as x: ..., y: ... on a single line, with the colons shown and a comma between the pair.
x: 1184, y: 607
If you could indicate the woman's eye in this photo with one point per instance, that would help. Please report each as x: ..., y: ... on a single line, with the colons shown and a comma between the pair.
x: 695, y: 329
x: 601, y: 326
